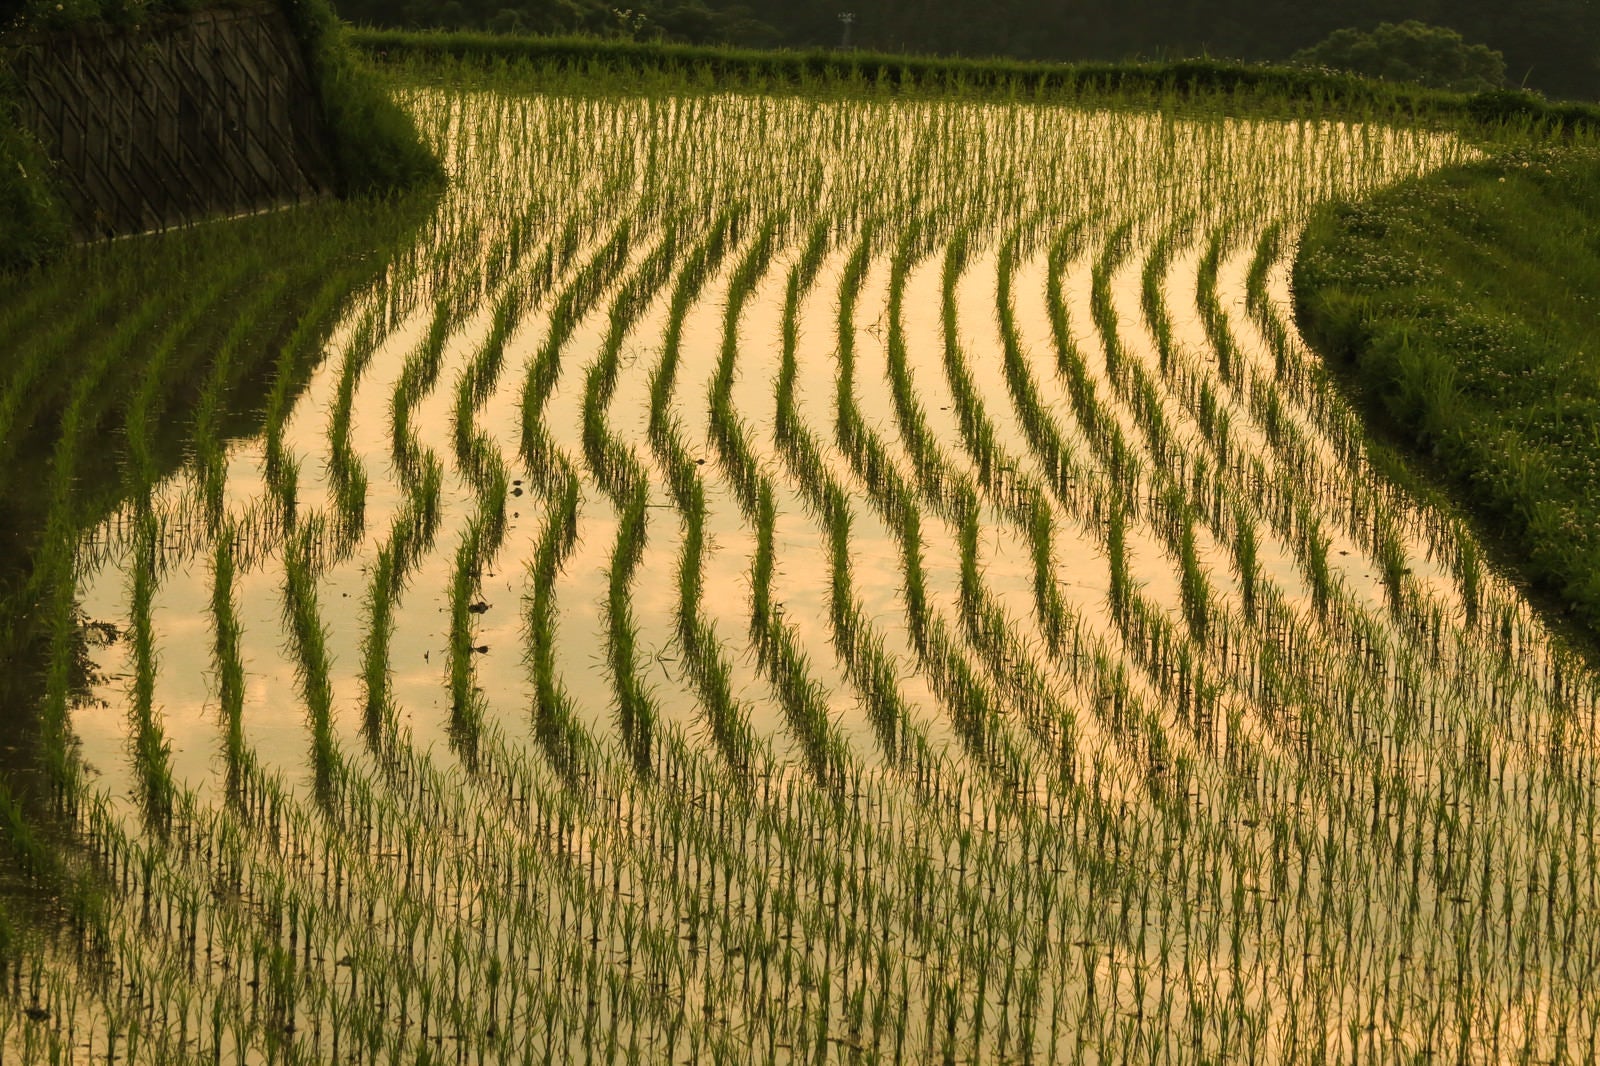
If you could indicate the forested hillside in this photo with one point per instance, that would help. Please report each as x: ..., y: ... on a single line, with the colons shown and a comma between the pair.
x: 1551, y: 45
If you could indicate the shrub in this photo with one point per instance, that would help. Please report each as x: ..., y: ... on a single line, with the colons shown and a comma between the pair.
x: 33, y: 220
x: 376, y: 145
x: 1410, y: 51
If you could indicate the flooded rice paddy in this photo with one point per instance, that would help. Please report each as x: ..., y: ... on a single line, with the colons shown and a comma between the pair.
x: 787, y: 580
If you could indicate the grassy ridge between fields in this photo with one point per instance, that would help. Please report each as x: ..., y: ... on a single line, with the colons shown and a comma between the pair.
x: 1278, y: 88
x: 1462, y: 310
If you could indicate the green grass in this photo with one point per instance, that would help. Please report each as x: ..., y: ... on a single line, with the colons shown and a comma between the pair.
x: 376, y: 149
x: 1463, y: 312
x: 1217, y: 82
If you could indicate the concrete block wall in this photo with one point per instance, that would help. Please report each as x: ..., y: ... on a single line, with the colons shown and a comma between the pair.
x: 203, y: 116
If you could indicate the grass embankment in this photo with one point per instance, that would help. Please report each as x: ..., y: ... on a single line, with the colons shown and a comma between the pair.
x: 373, y: 143
x: 1463, y: 311
x: 1220, y: 84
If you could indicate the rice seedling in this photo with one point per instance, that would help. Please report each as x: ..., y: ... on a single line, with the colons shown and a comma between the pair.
x: 227, y: 661
x: 555, y: 722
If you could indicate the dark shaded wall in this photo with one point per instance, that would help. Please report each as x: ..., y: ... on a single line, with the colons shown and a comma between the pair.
x: 192, y: 117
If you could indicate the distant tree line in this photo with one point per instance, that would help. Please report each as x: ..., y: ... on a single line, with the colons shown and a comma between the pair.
x: 1551, y: 45
x: 1410, y: 51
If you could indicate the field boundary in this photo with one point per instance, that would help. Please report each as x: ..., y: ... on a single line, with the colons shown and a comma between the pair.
x: 1455, y: 310
x: 769, y: 70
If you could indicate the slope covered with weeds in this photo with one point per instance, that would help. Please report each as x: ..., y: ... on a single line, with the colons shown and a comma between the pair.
x: 1464, y: 307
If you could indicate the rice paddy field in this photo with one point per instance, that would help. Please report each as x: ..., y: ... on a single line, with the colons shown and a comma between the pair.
x: 819, y: 578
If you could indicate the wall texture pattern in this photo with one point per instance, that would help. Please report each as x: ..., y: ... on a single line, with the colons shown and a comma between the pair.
x: 201, y: 117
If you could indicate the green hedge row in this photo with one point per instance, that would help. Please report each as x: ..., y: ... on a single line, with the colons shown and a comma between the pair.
x: 374, y: 143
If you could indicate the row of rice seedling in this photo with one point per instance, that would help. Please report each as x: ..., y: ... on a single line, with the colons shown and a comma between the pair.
x: 553, y: 475
x: 861, y: 647
x: 150, y: 747
x: 345, y: 469
x: 704, y: 660
x: 776, y: 643
x: 621, y: 476
x: 964, y: 693
x: 480, y: 461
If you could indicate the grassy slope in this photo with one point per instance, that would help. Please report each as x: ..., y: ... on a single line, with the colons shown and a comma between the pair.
x: 1463, y: 311
x: 375, y: 144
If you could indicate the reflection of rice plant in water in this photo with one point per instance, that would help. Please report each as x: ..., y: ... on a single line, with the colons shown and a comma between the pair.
x: 938, y: 615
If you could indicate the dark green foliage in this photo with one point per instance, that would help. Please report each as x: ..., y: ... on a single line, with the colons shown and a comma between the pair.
x: 1410, y: 51
x: 779, y: 69
x: 1239, y: 87
x: 1462, y: 310
x: 693, y: 21
x: 68, y: 14
x: 33, y: 220
x: 376, y: 148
